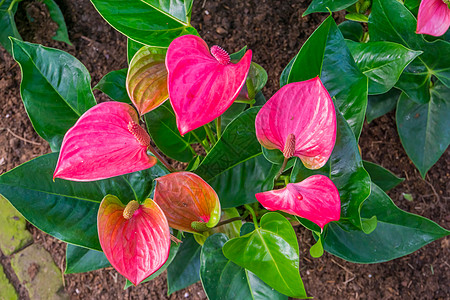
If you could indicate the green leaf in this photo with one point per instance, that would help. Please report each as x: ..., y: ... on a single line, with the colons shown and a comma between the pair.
x: 232, y: 113
x: 153, y: 23
x: 236, y: 56
x: 381, y: 62
x: 247, y: 228
x: 392, y: 21
x: 398, y: 233
x: 412, y: 5
x: 325, y: 54
x: 327, y: 5
x: 345, y: 169
x: 55, y: 89
x: 65, y: 209
x: 162, y: 127
x: 424, y: 128
x: 185, y: 267
x: 351, y: 30
x: 357, y: 17
x: 55, y: 13
x: 80, y: 260
x: 275, y: 156
x: 113, y: 85
x: 222, y: 279
x: 271, y: 253
x: 132, y: 48
x: 256, y: 79
x: 378, y: 105
x: 382, y: 177
x: 7, y: 24
x: 316, y: 250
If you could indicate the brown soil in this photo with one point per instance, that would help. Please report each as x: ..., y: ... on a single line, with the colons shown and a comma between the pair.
x: 274, y: 30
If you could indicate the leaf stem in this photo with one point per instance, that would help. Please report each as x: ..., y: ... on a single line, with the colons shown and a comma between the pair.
x: 250, y: 209
x: 11, y: 5
x: 251, y: 101
x: 219, y: 127
x: 210, y: 134
x: 160, y: 158
x: 283, y: 166
x: 203, y: 143
x: 229, y: 221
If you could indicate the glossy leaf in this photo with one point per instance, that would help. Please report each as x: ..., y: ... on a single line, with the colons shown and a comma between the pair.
x: 379, y: 105
x: 136, y: 245
x: 433, y: 17
x: 391, y: 21
x: 345, y: 169
x: 147, y: 79
x: 271, y: 253
x: 423, y: 128
x: 256, y: 80
x: 185, y: 268
x: 106, y: 141
x: 382, y: 177
x: 153, y: 23
x: 8, y: 24
x: 55, y: 89
x: 132, y: 48
x: 325, y: 54
x: 57, y: 16
x: 202, y: 85
x: 231, y: 230
x: 357, y: 17
x: 305, y: 127
x: 113, y: 85
x: 413, y: 6
x: 351, y: 31
x: 64, y: 209
x: 222, y: 279
x: 326, y: 6
x: 381, y: 62
x: 316, y: 198
x: 80, y: 260
x: 186, y: 199
x: 398, y: 233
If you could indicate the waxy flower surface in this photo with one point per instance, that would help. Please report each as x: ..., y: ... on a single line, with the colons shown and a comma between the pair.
x: 299, y: 120
x: 135, y: 238
x: 316, y: 198
x: 189, y: 203
x: 202, y: 84
x: 106, y: 141
x: 434, y: 17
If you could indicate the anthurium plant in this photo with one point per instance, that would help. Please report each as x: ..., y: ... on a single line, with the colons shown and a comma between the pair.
x: 255, y: 171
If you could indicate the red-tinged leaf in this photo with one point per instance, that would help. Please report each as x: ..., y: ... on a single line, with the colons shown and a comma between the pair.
x: 316, y: 198
x: 433, y: 17
x: 299, y: 120
x: 202, y: 85
x: 185, y: 199
x: 105, y: 142
x: 136, y: 247
x: 147, y: 79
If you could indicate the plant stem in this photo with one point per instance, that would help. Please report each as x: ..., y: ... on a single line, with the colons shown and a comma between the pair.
x: 160, y: 158
x: 219, y: 127
x: 229, y: 221
x: 210, y: 134
x: 12, y: 4
x: 250, y: 209
x: 204, y: 144
x: 283, y: 166
x: 1, y: 2
x: 251, y: 101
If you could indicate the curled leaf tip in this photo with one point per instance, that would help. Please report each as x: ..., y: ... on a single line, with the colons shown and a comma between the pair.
x: 129, y: 210
x: 139, y: 133
x: 220, y: 54
x: 289, y: 146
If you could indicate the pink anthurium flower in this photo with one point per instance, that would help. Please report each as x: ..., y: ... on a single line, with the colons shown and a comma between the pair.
x: 316, y: 198
x: 202, y: 85
x: 189, y: 203
x: 106, y: 141
x: 299, y: 120
x: 434, y: 17
x: 135, y: 238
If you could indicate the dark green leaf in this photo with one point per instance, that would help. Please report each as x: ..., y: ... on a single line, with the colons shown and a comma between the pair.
x: 382, y: 177
x: 153, y: 23
x: 325, y: 54
x: 185, y: 267
x: 236, y: 56
x: 113, y: 85
x: 80, y: 260
x: 247, y: 228
x: 352, y: 30
x: 65, y: 209
x: 55, y: 89
x: 271, y: 253
x: 222, y: 279
x: 275, y: 156
x: 424, y: 128
x: 413, y: 6
x: 7, y: 24
x: 132, y: 48
x: 378, y: 105
x: 256, y: 80
x: 327, y: 5
x: 398, y: 233
x: 381, y: 62
x: 231, y: 113
x: 345, y: 169
x: 57, y: 16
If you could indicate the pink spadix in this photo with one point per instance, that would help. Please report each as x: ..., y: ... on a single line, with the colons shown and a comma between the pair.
x: 202, y: 85
x: 135, y: 238
x: 434, y: 17
x: 299, y: 120
x: 315, y: 198
x: 106, y: 141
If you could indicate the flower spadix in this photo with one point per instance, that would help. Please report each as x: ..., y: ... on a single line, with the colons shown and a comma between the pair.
x: 106, y: 141
x: 189, y: 203
x: 135, y: 238
x: 433, y: 17
x: 316, y: 198
x: 202, y: 83
x: 299, y: 120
